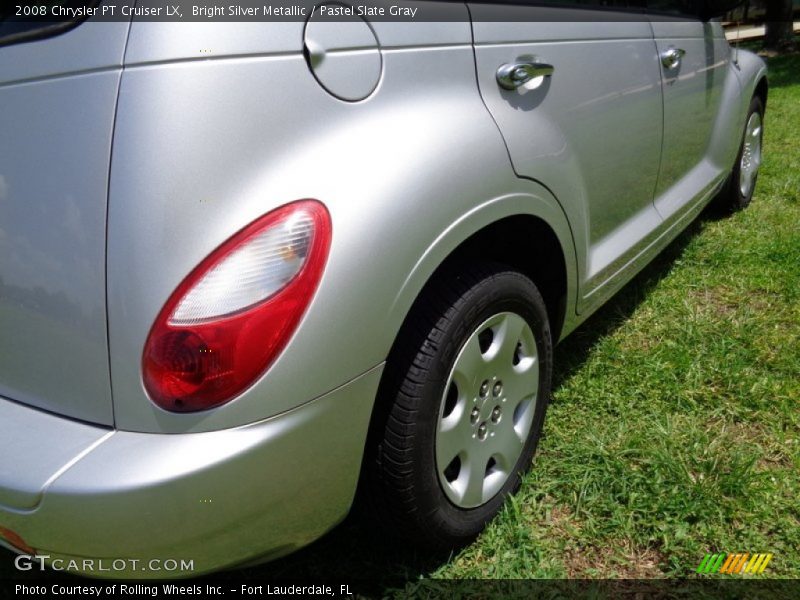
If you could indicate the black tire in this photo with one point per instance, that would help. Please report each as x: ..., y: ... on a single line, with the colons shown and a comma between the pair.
x: 731, y: 198
x: 400, y: 483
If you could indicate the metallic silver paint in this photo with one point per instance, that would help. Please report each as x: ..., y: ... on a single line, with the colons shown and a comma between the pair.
x: 30, y: 458
x: 66, y: 55
x: 205, y: 142
x: 57, y: 120
x: 571, y: 132
x: 692, y: 99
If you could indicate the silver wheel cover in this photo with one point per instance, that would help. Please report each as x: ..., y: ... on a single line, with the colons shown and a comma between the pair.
x: 751, y: 155
x: 487, y: 410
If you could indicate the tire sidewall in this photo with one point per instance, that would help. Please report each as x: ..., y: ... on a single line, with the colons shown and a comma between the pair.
x: 508, y: 291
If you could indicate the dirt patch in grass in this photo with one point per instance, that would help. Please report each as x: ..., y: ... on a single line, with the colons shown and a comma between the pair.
x: 716, y: 300
x: 775, y: 453
x: 561, y: 523
x: 725, y: 301
x: 619, y: 559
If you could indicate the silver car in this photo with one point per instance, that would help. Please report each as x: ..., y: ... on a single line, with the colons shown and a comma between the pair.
x: 250, y: 267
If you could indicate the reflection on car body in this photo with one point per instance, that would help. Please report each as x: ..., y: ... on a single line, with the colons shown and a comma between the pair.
x: 235, y: 286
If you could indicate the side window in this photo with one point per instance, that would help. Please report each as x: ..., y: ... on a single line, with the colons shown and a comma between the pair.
x: 32, y: 20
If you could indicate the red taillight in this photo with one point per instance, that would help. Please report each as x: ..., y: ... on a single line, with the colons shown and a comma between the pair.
x: 15, y: 540
x: 231, y: 317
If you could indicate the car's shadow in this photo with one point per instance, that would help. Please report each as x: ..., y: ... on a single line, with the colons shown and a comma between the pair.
x: 576, y: 347
x: 355, y: 552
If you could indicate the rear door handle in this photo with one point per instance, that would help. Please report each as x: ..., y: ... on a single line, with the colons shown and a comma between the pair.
x: 671, y: 57
x: 513, y: 75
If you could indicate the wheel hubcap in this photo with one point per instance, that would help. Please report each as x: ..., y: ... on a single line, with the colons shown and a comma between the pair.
x: 751, y: 155
x: 487, y: 410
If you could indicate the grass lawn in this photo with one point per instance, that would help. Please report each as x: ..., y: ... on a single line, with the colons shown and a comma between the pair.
x: 674, y: 430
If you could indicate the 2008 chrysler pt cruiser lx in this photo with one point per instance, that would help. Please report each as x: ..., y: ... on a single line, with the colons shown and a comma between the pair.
x: 249, y: 268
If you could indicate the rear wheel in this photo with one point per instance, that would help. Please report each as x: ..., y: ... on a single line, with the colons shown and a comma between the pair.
x: 741, y: 184
x: 464, y: 398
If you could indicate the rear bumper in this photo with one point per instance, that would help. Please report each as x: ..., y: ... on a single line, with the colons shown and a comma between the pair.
x: 216, y: 499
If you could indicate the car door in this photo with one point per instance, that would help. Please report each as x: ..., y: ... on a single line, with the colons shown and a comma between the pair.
x: 695, y: 59
x: 588, y: 126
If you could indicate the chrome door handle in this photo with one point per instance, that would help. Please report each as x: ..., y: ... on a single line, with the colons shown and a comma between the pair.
x: 513, y: 75
x: 671, y: 57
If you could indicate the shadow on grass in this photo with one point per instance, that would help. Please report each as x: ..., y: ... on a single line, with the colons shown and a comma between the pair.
x: 575, y: 349
x: 784, y: 70
x: 354, y: 552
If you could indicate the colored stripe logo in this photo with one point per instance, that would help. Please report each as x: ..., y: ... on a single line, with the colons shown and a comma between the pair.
x: 734, y: 564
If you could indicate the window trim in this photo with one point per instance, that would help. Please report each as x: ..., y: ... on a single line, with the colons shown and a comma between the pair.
x: 42, y: 29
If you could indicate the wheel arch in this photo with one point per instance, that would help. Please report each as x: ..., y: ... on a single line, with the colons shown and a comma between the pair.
x: 528, y: 233
x: 521, y: 242
x: 762, y: 90
x: 752, y: 72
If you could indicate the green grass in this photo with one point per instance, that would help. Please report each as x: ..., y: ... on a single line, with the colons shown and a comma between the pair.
x: 674, y: 429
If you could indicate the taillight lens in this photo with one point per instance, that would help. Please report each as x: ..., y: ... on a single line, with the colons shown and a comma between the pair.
x: 231, y: 317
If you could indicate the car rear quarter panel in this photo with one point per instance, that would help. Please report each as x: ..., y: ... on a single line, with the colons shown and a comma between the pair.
x: 203, y: 147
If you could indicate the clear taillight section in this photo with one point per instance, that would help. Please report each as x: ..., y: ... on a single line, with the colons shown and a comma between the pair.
x: 231, y: 317
x: 253, y: 272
